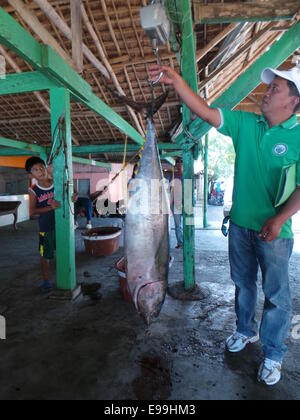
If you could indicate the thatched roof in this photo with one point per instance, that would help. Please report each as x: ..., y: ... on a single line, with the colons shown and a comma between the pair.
x: 128, y: 52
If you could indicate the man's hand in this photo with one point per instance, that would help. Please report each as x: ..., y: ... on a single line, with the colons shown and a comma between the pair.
x: 75, y: 197
x: 271, y: 229
x: 54, y: 204
x: 169, y: 75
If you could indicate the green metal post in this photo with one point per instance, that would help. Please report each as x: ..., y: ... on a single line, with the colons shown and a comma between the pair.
x: 64, y: 217
x: 190, y: 75
x: 51, y: 65
x: 205, y: 195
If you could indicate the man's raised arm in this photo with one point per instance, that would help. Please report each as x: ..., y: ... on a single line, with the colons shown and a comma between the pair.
x: 193, y: 101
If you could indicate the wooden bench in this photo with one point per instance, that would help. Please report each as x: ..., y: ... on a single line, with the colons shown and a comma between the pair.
x: 10, y: 207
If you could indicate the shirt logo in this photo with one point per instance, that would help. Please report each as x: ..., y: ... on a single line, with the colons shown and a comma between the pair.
x: 280, y: 149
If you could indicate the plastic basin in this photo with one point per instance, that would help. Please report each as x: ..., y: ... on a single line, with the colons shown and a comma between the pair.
x: 102, y: 241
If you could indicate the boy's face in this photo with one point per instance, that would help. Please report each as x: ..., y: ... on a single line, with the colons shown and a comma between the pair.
x: 39, y: 172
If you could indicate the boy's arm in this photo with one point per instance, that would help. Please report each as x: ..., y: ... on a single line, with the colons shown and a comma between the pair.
x: 193, y: 101
x: 34, y: 210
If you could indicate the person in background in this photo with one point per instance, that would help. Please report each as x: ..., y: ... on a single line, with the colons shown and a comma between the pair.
x: 83, y: 202
x: 43, y: 204
x: 267, y: 146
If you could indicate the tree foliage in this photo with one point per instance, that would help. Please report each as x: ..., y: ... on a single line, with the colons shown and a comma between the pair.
x: 221, y: 156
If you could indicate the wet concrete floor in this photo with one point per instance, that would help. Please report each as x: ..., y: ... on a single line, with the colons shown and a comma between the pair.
x: 98, y: 348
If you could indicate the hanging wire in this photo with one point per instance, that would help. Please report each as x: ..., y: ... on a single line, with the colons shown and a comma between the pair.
x: 59, y: 134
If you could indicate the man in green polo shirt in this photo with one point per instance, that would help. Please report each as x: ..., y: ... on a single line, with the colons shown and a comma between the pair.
x: 266, y: 195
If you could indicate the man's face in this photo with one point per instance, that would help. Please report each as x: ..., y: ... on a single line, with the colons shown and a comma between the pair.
x: 50, y: 170
x: 39, y: 172
x: 277, y: 98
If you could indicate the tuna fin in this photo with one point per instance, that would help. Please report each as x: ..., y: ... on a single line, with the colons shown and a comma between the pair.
x: 152, y: 109
x: 141, y: 107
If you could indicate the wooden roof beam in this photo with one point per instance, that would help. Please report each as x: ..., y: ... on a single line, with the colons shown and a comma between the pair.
x: 36, y: 26
x: 241, y: 51
x: 44, y: 59
x: 204, y: 51
x: 54, y: 17
x: 257, y: 11
x: 116, y: 83
x: 76, y: 23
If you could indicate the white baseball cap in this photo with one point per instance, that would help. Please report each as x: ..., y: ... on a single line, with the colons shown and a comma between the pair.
x: 268, y: 75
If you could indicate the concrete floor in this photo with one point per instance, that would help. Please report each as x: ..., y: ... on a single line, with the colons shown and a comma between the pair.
x: 98, y: 348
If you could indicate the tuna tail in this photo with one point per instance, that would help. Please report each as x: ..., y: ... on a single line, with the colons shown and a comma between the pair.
x: 142, y: 107
x: 155, y: 106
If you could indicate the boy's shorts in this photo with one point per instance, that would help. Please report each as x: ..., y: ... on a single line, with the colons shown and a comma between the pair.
x: 47, y: 245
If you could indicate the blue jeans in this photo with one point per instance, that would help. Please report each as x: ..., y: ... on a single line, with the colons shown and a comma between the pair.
x: 247, y: 252
x: 87, y: 205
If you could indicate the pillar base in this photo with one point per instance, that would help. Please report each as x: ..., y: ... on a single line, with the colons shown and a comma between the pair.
x: 177, y: 291
x: 66, y: 295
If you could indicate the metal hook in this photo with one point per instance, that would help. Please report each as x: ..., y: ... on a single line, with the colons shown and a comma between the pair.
x: 156, y: 53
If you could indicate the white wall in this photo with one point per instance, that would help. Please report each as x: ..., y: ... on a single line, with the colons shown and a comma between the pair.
x: 23, y: 211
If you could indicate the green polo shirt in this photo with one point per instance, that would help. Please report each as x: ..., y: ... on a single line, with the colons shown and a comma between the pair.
x: 261, y: 154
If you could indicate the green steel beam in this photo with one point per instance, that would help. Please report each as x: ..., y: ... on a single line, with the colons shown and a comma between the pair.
x: 17, y: 39
x: 170, y: 160
x: 54, y: 66
x: 43, y: 154
x: 18, y: 148
x: 118, y: 148
x: 64, y: 189
x: 24, y: 82
x: 92, y: 162
x: 248, y: 81
x: 189, y: 73
x: 172, y: 13
x: 26, y: 147
x: 49, y: 63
